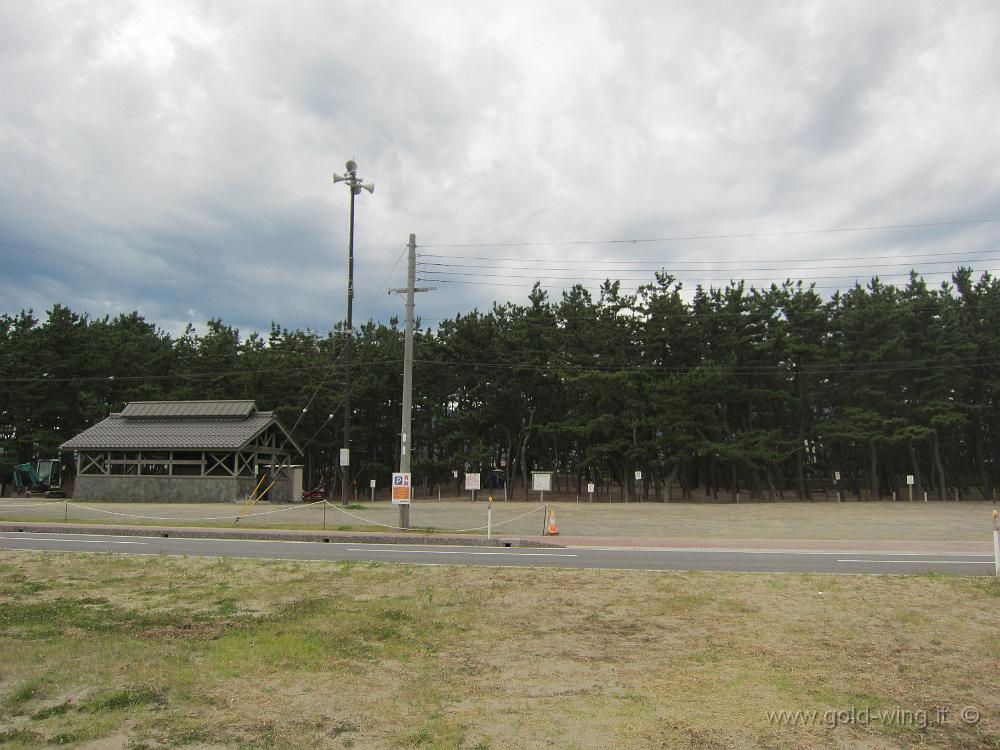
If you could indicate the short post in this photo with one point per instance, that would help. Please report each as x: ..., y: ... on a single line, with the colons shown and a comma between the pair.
x: 324, y: 512
x: 372, y: 485
x: 545, y: 521
x: 996, y: 544
x: 65, y: 511
x: 489, y: 517
x: 925, y: 497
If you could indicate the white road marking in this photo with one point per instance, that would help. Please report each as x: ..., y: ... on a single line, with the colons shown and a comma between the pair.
x: 781, y: 551
x: 459, y: 552
x: 70, y: 539
x: 922, y: 562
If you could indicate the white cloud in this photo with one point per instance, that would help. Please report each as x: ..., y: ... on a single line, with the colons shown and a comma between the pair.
x: 176, y: 156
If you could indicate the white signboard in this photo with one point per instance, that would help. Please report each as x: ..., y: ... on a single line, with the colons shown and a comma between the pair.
x: 590, y: 488
x: 473, y: 481
x: 836, y: 476
x: 345, y: 456
x: 454, y: 473
x: 638, y: 476
x: 372, y: 484
x: 400, y: 489
x: 909, y: 479
x: 541, y: 481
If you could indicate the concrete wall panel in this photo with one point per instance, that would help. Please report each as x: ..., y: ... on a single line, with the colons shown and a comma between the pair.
x: 172, y: 489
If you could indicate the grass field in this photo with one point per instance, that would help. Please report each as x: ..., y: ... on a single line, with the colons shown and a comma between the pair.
x: 104, y: 651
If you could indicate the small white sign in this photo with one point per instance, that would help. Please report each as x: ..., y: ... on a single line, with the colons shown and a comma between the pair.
x: 909, y: 479
x: 473, y: 482
x: 541, y: 481
x: 345, y: 456
x: 454, y: 473
x: 836, y: 476
x: 638, y: 476
x: 590, y: 488
x: 371, y: 484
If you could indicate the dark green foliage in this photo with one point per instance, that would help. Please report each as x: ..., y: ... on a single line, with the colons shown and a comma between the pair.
x: 762, y: 392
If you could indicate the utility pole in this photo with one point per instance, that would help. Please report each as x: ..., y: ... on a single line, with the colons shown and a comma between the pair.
x: 405, y: 439
x: 355, y: 186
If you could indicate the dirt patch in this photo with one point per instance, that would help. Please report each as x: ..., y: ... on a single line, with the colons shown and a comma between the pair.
x: 189, y: 630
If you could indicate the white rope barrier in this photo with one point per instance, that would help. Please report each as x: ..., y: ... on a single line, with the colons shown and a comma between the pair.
x: 362, y: 518
x: 501, y: 523
x: 450, y: 531
x: 195, y: 518
x: 253, y: 515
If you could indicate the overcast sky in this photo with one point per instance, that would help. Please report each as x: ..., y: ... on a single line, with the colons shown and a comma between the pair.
x: 175, y: 157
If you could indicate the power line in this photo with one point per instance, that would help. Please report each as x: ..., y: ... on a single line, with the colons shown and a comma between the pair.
x: 717, y: 368
x: 538, y: 277
x: 630, y: 290
x: 500, y: 263
x: 740, y: 235
x: 322, y: 382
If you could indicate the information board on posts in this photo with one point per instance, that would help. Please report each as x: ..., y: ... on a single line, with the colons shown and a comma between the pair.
x: 541, y: 481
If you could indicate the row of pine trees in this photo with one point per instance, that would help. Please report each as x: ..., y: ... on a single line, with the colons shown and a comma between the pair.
x: 729, y: 392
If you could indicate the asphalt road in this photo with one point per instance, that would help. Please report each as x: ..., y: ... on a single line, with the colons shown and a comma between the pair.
x: 573, y: 557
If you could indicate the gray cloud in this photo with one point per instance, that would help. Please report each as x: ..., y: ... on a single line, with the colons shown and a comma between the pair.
x: 176, y: 157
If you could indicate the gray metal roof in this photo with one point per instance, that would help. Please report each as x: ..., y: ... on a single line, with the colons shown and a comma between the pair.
x: 187, y: 409
x: 172, y: 432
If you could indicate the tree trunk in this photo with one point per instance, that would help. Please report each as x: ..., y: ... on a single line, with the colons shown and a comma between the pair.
x: 524, y: 452
x: 671, y: 479
x: 940, y: 466
x: 918, y: 484
x: 984, y: 475
x: 875, y: 484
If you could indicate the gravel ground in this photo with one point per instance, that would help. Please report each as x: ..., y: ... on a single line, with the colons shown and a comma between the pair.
x: 900, y: 521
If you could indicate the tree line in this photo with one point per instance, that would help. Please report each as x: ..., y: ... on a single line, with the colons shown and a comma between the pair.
x: 737, y: 392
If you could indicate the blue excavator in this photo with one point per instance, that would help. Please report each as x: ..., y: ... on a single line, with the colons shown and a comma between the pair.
x: 42, y: 478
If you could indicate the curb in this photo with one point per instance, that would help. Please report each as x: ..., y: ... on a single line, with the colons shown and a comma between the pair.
x: 282, y: 535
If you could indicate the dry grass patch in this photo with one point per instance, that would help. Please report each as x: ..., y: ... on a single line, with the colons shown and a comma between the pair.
x: 153, y: 652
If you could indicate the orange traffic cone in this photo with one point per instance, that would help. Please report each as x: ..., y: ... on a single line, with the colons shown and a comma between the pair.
x: 553, y: 529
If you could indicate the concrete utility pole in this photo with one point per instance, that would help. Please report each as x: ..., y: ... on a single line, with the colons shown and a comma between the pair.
x: 405, y: 439
x: 355, y: 186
